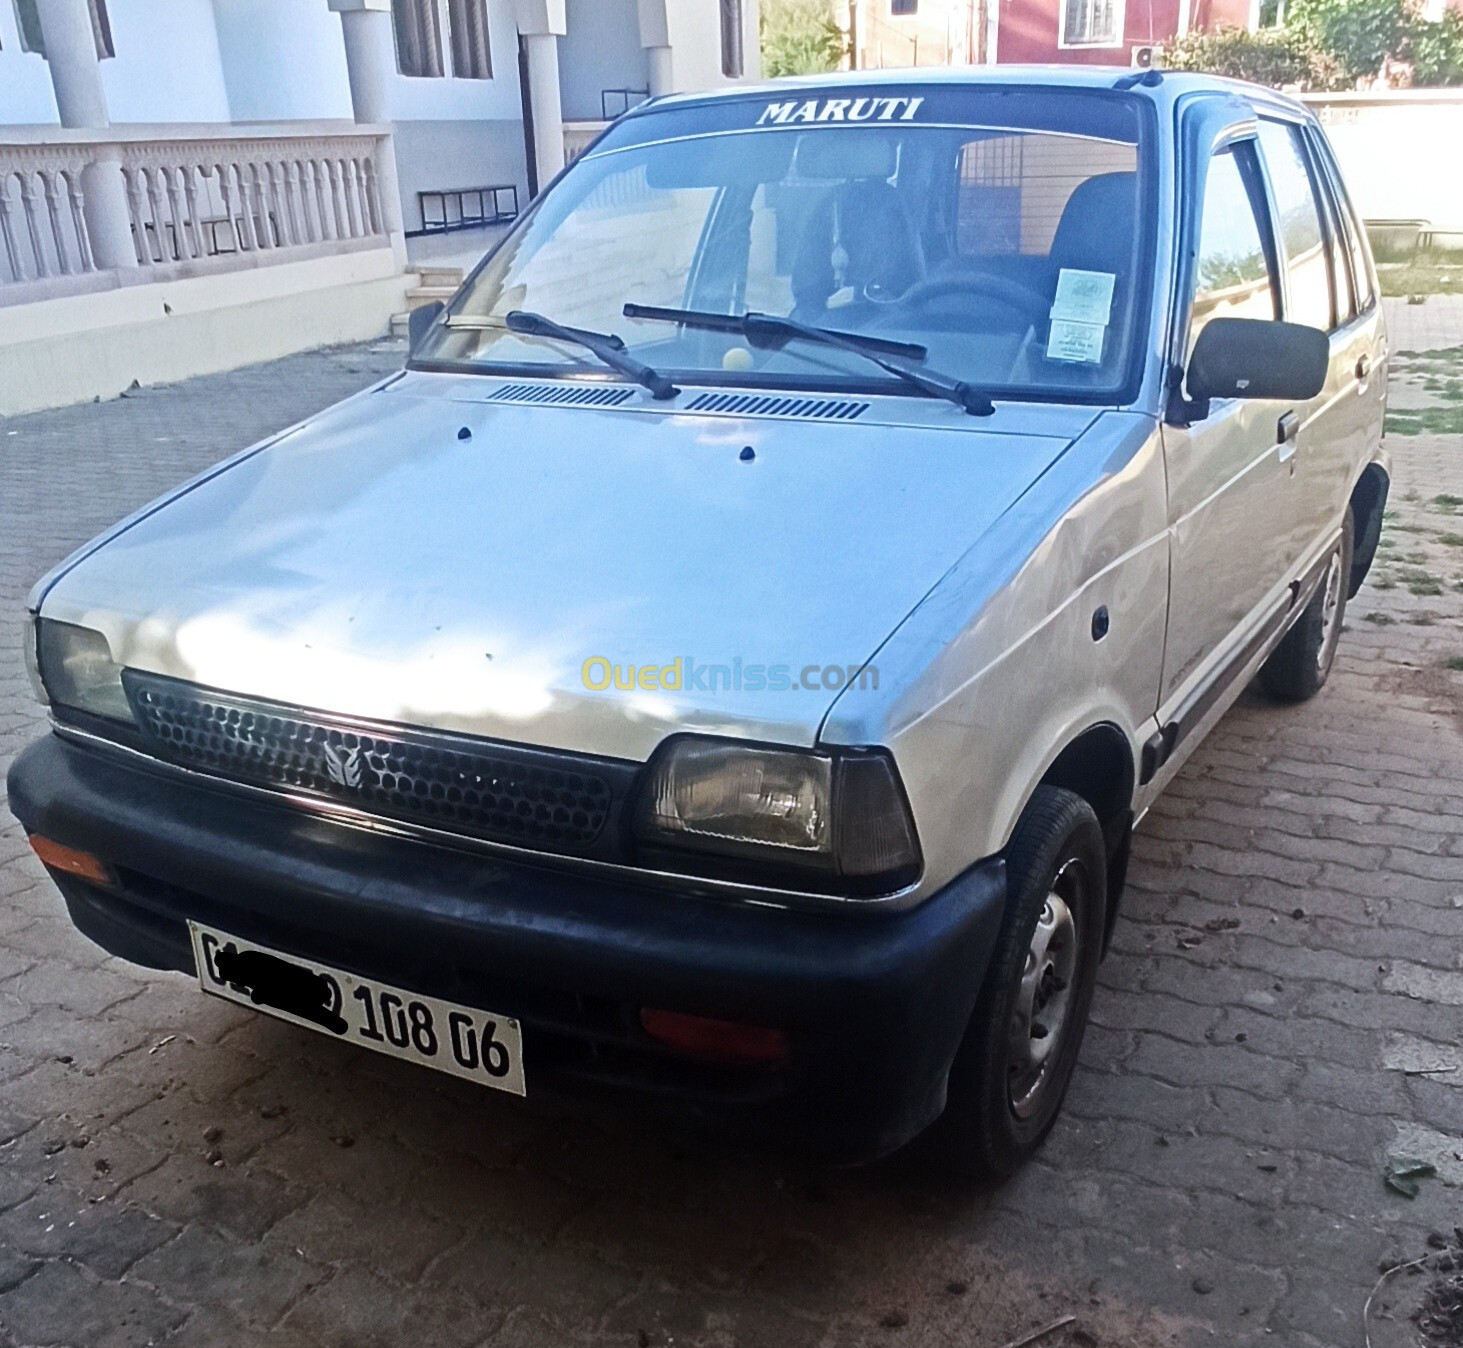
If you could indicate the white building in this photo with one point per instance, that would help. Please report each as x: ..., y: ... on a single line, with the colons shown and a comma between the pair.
x: 187, y: 184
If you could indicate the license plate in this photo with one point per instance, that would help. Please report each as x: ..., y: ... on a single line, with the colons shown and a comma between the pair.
x: 469, y: 1043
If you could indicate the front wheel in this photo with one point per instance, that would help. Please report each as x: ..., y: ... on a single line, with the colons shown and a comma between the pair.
x: 1298, y: 666
x: 1016, y: 1060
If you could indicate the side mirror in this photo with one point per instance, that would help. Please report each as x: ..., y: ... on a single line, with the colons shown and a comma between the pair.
x: 1253, y: 358
x: 417, y: 323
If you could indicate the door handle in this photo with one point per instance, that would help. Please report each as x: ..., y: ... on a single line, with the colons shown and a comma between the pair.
x: 1363, y: 368
x: 1286, y: 430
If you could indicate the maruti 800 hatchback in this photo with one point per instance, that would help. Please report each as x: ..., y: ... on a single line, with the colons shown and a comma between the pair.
x: 728, y: 662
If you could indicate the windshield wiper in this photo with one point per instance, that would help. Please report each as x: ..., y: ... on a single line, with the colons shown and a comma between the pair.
x: 772, y: 332
x: 606, y: 345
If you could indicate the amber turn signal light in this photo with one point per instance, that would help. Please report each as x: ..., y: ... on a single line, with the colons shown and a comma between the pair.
x: 717, y: 1040
x: 68, y: 859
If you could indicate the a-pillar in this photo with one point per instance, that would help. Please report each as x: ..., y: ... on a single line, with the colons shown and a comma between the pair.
x: 81, y: 101
x: 370, y: 60
x: 541, y: 23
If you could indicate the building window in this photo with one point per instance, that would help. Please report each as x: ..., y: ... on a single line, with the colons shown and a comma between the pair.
x: 472, y: 58
x: 899, y: 8
x: 733, y: 61
x: 28, y: 18
x: 1092, y: 23
x: 418, y: 38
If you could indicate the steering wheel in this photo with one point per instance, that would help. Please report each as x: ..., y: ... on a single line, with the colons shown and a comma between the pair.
x: 1032, y: 304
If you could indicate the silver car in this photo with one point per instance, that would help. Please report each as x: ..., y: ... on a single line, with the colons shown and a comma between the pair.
x: 728, y: 663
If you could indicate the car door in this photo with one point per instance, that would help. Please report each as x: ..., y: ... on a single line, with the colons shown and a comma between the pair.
x: 1231, y: 547
x: 1327, y: 285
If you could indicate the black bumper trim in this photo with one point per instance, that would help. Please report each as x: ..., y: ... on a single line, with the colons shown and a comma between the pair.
x: 875, y: 1003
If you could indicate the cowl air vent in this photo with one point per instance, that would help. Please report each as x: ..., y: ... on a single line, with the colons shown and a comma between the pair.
x: 564, y: 395
x: 768, y: 405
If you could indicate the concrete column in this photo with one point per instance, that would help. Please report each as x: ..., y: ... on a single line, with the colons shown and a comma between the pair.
x: 369, y: 56
x: 71, y: 54
x: 658, y: 71
x: 370, y: 59
x: 76, y: 75
x: 541, y: 23
x: 548, y: 109
x: 655, y: 38
x: 107, y: 211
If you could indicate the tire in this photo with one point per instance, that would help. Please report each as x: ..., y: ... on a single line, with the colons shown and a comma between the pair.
x: 1298, y: 666
x: 1005, y: 1088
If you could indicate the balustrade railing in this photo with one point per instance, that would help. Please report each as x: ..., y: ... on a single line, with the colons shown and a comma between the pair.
x: 188, y: 198
x: 43, y: 229
x: 191, y: 199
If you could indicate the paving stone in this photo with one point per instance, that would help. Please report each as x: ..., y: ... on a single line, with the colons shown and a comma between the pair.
x: 244, y: 1203
x: 62, y: 1304
x: 255, y: 1284
x: 108, y: 1238
x: 355, y: 1310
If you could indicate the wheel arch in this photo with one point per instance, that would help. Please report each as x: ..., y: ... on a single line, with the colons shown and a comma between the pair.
x: 1098, y: 765
x: 1368, y: 503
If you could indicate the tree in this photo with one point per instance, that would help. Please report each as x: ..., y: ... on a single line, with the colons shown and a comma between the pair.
x: 1274, y: 56
x: 799, y: 37
x: 1358, y: 34
x: 1437, y: 49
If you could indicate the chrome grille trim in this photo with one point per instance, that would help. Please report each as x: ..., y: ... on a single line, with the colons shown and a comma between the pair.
x: 536, y: 798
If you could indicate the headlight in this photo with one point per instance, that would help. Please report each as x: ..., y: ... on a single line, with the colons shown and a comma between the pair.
x: 822, y: 820
x: 77, y: 670
x: 28, y: 641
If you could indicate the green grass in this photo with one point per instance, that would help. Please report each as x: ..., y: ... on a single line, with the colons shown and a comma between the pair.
x: 1447, y: 502
x: 1425, y: 421
x: 1421, y: 583
x: 1381, y: 619
x: 1451, y: 540
x: 1454, y: 662
x: 1423, y: 277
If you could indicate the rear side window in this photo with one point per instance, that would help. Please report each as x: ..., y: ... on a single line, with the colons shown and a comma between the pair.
x: 1233, y: 278
x: 1339, y: 252
x: 1302, y: 239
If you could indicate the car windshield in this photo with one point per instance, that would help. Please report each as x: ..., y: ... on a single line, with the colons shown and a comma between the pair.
x: 1000, y: 229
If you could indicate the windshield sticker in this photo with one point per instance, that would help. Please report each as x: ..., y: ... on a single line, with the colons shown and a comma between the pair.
x: 794, y: 113
x: 1083, y: 296
x: 1075, y: 343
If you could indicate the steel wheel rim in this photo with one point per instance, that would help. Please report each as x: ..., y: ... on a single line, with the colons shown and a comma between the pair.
x: 1041, y: 1018
x: 1330, y: 613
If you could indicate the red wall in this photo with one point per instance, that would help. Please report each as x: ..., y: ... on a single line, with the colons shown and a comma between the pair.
x: 1028, y: 29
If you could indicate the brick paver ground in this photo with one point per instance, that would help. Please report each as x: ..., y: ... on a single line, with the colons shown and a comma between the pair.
x: 1283, y: 1007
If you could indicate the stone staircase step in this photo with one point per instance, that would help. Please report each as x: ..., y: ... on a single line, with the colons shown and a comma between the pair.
x: 420, y: 295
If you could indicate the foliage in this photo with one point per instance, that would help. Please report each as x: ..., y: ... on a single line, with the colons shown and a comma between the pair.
x: 1358, y: 34
x: 1437, y: 49
x: 799, y: 37
x: 1330, y: 44
x: 1274, y: 56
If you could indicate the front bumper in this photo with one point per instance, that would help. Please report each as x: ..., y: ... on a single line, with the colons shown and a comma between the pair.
x: 874, y: 1004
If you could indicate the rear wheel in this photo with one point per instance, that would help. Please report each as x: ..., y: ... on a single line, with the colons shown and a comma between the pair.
x: 1014, y: 1064
x: 1298, y: 666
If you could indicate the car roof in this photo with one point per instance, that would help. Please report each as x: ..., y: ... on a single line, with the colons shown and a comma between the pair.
x: 1162, y: 86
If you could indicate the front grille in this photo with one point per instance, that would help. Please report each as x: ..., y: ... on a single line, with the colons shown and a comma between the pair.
x: 502, y: 793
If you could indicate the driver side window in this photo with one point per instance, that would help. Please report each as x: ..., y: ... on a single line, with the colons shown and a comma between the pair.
x: 1233, y: 277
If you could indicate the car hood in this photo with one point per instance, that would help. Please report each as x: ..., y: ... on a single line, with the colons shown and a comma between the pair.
x: 427, y: 554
